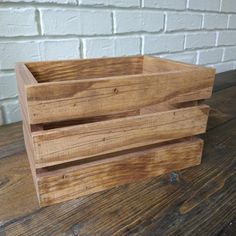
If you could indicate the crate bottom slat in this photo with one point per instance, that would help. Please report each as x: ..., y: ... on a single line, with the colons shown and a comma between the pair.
x: 80, y: 180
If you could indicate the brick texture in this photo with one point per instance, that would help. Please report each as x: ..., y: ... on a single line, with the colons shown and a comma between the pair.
x: 75, y: 22
x: 228, y: 6
x: 117, y: 3
x: 215, y: 21
x: 102, y: 47
x: 163, y: 44
x: 232, y: 22
x: 135, y: 21
x: 166, y: 4
x: 180, y: 21
x: 200, y: 40
x: 24, y: 25
x: 205, y: 5
x: 210, y: 56
x: 227, y: 38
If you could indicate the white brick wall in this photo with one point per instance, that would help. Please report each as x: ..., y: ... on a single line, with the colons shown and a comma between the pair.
x: 24, y: 25
x: 232, y: 22
x: 200, y: 40
x: 183, y: 21
x: 193, y: 31
x: 101, y: 47
x: 155, y: 44
x: 138, y: 21
x: 75, y: 22
x: 227, y: 38
x: 215, y: 21
x: 205, y: 5
x: 165, y: 4
x: 210, y: 56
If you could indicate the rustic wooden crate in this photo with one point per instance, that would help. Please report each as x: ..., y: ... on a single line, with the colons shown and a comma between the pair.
x: 93, y: 124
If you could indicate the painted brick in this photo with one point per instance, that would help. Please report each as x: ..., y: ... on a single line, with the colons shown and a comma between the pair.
x: 228, y: 6
x: 135, y: 21
x: 232, y: 22
x: 187, y: 57
x: 117, y: 3
x: 60, y: 49
x: 166, y: 4
x: 8, y: 88
x: 12, y: 52
x: 45, y: 1
x: 200, y: 40
x: 11, y: 111
x: 182, y: 21
x: 75, y: 22
x: 104, y: 47
x: 163, y: 43
x: 205, y: 5
x: 215, y: 21
x: 24, y: 25
x: 227, y: 38
x: 230, y: 54
x: 225, y: 66
x: 210, y: 56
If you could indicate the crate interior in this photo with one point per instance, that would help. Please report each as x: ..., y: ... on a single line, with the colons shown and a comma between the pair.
x: 100, y: 68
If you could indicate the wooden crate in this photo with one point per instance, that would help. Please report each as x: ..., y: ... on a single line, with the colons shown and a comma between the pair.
x: 93, y: 124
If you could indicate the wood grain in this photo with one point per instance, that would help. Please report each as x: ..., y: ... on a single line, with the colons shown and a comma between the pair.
x: 97, y: 97
x: 76, y: 181
x: 85, y: 69
x: 153, y: 64
x: 24, y: 79
x: 196, y: 201
x: 17, y: 191
x: 11, y: 140
x: 82, y: 141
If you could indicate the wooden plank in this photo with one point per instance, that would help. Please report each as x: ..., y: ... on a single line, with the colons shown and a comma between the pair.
x: 97, y: 97
x: 152, y: 64
x: 24, y: 78
x: 82, y: 141
x: 85, y: 68
x: 69, y: 183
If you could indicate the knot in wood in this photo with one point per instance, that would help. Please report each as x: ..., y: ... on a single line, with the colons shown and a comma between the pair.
x: 116, y: 90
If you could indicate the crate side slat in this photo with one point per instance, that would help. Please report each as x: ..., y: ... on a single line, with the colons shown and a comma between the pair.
x: 82, y: 141
x: 55, y: 187
x: 97, y: 97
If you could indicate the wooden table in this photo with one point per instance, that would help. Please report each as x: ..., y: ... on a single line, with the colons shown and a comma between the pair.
x: 196, y: 201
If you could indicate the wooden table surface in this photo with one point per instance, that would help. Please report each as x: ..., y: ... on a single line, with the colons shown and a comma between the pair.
x: 196, y: 201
